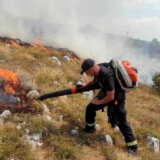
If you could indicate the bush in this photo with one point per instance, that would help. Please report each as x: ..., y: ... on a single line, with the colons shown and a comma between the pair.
x: 156, y: 81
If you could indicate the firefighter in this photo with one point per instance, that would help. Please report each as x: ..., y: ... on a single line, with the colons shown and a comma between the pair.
x: 110, y: 94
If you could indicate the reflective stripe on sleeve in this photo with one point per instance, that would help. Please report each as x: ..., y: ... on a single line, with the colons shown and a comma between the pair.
x: 132, y: 143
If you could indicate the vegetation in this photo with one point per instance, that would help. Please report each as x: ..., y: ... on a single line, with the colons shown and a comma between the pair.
x: 33, y: 66
x: 156, y: 81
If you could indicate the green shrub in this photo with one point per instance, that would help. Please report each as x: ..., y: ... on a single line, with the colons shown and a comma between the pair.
x: 156, y: 81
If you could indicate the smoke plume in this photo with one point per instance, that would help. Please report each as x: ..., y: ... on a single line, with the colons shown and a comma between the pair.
x: 82, y: 26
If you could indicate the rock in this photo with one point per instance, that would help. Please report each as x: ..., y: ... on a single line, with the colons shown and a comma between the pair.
x: 56, y: 82
x: 28, y: 85
x: 78, y: 120
x: 19, y: 127
x: 71, y: 83
x: 116, y: 129
x: 5, y: 114
x: 39, y: 144
x: 69, y: 55
x: 61, y: 118
x: 26, y: 138
x: 56, y: 60
x: 66, y: 59
x: 40, y: 64
x: 32, y: 143
x: 18, y: 100
x: 74, y: 132
x: 88, y: 94
x: 7, y: 45
x: 34, y: 140
x: 2, y: 61
x: 80, y: 82
x: 64, y: 97
x: 33, y: 94
x: 108, y: 139
x: 46, y: 109
x: 81, y: 109
x: 84, y: 74
x: 48, y: 118
x: 24, y: 123
x: 25, y: 80
x: 27, y: 131
x: 36, y: 137
x: 76, y: 128
x: 153, y: 143
x: 97, y: 126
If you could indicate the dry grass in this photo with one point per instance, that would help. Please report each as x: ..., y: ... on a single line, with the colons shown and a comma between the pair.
x: 34, y: 66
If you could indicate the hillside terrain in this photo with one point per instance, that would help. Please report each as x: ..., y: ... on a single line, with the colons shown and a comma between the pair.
x: 38, y: 71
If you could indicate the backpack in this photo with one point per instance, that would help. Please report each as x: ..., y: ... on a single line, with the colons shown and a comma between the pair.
x: 125, y: 73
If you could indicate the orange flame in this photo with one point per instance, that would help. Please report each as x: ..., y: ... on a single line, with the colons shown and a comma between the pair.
x: 11, y: 81
x: 33, y: 45
x: 14, y: 43
x: 38, y: 40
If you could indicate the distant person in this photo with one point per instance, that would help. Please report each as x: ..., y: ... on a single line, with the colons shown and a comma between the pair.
x: 110, y: 94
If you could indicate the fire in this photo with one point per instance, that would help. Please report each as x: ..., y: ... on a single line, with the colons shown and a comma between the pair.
x: 9, y: 81
x: 38, y: 40
x: 75, y: 57
x: 18, y: 43
x: 14, y: 43
x: 33, y: 45
x: 13, y: 95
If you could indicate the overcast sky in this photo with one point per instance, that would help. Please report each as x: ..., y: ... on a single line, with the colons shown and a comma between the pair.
x: 137, y: 18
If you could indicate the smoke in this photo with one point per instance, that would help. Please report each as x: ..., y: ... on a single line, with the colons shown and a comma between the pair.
x: 82, y: 26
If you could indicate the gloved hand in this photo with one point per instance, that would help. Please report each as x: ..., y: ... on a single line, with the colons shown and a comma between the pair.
x: 81, y: 85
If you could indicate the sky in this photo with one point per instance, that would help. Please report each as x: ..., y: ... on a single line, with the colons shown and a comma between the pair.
x: 135, y: 18
x: 81, y: 25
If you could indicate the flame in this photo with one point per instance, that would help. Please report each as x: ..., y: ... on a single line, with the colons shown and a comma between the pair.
x: 10, y: 82
x: 75, y: 58
x: 33, y: 45
x: 14, y: 43
x: 38, y: 41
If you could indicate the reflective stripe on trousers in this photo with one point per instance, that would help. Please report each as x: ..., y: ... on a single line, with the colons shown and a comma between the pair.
x: 132, y: 143
x: 90, y: 124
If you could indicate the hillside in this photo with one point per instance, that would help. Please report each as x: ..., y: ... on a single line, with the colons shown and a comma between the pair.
x: 36, y: 70
x: 148, y: 48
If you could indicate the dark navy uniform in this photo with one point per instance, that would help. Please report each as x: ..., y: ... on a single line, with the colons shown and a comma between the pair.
x: 106, y: 81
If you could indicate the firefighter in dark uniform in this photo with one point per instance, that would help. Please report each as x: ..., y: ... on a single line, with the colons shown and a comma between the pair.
x: 110, y: 94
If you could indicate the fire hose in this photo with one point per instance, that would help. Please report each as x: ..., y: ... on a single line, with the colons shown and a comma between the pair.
x: 73, y: 90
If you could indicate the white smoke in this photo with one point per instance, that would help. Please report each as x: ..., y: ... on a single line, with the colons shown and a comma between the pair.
x: 82, y: 26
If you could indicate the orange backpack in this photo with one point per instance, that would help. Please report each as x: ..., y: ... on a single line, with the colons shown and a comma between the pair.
x: 125, y: 73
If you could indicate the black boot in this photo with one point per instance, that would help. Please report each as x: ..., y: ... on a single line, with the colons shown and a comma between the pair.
x: 89, y: 129
x: 132, y: 150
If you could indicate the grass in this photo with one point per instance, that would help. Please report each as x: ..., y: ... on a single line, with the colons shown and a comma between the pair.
x: 37, y: 71
x: 11, y: 145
